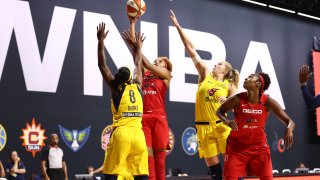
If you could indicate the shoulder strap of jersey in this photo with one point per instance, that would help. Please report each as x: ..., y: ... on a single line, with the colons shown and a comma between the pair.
x: 116, y: 100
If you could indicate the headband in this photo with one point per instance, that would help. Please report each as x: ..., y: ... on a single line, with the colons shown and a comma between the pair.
x: 262, y: 83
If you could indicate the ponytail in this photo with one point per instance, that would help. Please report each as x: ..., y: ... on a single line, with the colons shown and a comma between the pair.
x: 233, y: 77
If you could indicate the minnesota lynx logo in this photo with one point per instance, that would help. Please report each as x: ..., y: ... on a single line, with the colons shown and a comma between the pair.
x: 74, y: 139
x: 190, y: 141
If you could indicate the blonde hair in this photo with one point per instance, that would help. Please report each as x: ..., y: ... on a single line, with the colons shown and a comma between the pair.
x: 168, y: 62
x: 232, y: 75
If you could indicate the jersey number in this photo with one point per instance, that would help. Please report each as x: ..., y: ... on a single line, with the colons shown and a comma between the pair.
x: 132, y: 98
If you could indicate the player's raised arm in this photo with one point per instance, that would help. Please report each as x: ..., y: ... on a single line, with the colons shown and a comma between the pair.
x: 104, y: 69
x: 136, y: 44
x: 197, y: 61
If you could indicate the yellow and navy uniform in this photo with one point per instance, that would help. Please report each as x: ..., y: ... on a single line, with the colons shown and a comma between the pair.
x: 127, y: 150
x: 212, y: 134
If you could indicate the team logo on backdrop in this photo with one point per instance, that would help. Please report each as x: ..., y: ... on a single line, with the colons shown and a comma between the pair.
x: 278, y: 144
x: 171, y: 142
x: 74, y: 139
x: 3, y: 137
x: 105, y: 137
x: 190, y: 141
x: 33, y: 137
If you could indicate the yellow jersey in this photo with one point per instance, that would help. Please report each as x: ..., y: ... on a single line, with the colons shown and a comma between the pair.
x: 207, y: 99
x: 127, y: 107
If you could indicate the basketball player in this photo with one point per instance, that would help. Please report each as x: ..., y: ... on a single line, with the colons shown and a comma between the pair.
x: 312, y: 102
x: 213, y: 88
x: 247, y: 150
x: 127, y: 150
x: 156, y: 81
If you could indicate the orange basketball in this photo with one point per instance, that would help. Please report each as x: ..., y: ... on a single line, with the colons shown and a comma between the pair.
x: 136, y: 8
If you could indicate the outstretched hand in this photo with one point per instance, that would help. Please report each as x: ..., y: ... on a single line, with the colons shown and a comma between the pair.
x: 135, y: 43
x: 304, y: 74
x: 174, y: 19
x: 101, y: 34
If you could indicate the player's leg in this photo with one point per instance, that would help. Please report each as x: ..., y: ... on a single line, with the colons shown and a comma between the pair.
x: 137, y: 161
x: 235, y: 164
x: 160, y: 138
x: 261, y: 164
x: 208, y: 149
x: 118, y: 149
x: 147, y: 125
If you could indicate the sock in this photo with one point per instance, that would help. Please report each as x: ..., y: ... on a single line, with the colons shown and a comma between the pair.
x: 215, y: 172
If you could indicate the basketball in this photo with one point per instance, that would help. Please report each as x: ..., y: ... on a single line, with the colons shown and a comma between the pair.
x: 136, y: 8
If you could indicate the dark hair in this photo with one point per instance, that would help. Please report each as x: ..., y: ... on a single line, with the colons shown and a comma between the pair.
x: 10, y: 159
x: 122, y: 76
x: 266, y: 79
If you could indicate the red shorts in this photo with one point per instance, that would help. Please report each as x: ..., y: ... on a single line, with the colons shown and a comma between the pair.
x: 156, y: 130
x: 246, y: 162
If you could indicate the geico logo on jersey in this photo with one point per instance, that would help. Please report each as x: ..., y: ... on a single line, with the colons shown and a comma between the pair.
x: 251, y: 111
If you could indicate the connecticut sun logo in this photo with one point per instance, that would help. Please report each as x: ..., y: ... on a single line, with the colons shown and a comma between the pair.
x: 105, y: 137
x: 33, y: 137
x: 3, y: 137
x: 171, y: 142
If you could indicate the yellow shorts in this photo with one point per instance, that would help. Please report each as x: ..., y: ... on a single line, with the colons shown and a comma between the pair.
x: 126, y: 153
x: 212, y: 139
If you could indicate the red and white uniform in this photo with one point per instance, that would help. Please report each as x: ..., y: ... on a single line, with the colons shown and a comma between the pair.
x: 247, y: 150
x: 154, y: 122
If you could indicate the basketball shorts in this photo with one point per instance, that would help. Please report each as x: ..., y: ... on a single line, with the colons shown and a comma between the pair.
x: 247, y: 162
x: 156, y: 130
x: 212, y: 139
x: 126, y: 152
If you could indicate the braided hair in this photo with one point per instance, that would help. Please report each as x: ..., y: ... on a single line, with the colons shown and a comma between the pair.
x: 122, y: 76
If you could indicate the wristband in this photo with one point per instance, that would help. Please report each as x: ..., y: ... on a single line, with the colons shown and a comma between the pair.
x: 289, y: 125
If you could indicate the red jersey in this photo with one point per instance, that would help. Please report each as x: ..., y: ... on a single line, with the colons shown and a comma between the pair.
x: 154, y: 90
x: 251, y: 120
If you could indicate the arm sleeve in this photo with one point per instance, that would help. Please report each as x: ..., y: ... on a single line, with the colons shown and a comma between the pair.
x: 311, y: 101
